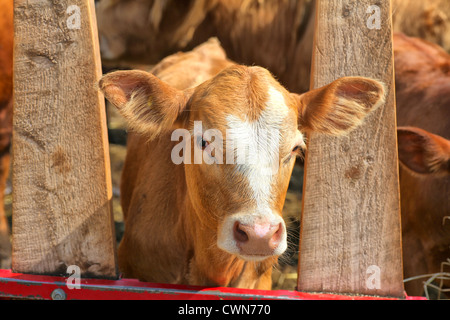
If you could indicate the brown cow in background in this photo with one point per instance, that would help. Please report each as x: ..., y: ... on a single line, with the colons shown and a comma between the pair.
x: 274, y: 34
x: 6, y: 68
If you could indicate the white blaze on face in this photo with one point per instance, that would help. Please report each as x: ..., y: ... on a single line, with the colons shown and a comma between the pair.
x: 256, y: 147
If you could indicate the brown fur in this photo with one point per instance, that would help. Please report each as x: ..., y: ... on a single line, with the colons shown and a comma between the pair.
x: 173, y: 212
x: 423, y: 99
x: 6, y: 82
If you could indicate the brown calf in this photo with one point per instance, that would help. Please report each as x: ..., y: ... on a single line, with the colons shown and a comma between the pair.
x: 217, y: 221
x: 422, y: 73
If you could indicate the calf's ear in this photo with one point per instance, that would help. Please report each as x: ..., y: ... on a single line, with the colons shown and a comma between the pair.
x: 423, y: 152
x: 149, y: 105
x: 339, y: 107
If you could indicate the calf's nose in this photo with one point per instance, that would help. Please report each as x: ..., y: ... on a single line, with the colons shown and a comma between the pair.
x: 259, y: 239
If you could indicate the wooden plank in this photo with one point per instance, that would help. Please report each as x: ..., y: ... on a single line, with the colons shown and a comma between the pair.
x: 350, y: 238
x: 61, y: 171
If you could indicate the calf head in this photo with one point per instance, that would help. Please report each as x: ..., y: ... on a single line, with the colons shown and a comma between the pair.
x: 248, y: 130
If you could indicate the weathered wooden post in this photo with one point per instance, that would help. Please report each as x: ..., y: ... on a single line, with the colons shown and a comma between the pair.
x: 61, y: 172
x: 350, y: 240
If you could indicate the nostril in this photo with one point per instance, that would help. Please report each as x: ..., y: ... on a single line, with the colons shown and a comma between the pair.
x: 239, y: 234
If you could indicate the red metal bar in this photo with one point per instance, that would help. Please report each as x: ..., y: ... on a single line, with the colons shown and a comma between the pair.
x: 18, y: 285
